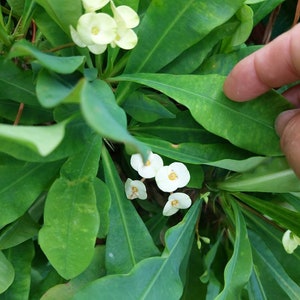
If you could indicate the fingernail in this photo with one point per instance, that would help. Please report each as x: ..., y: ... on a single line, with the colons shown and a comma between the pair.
x: 283, y: 118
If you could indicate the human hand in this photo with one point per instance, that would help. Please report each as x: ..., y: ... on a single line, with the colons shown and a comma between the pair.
x: 274, y: 65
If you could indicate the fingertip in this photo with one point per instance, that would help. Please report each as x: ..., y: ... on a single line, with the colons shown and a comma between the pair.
x: 289, y: 131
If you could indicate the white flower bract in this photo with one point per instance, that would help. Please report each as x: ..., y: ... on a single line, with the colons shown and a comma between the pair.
x: 135, y: 189
x: 148, y: 169
x: 175, y: 202
x: 169, y: 178
x: 93, y: 5
x: 290, y: 241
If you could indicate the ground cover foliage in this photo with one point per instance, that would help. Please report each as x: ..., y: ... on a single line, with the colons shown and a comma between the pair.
x: 70, y: 121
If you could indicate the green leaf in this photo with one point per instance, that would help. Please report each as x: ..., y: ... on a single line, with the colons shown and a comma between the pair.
x: 7, y: 273
x: 267, y: 261
x: 41, y: 139
x: 155, y: 277
x: 273, y: 175
x: 102, y: 113
x: 248, y: 125
x: 53, y: 88
x: 63, y: 65
x: 146, y: 108
x: 285, y: 217
x: 21, y: 185
x: 16, y: 83
x: 239, y: 268
x: 67, y: 290
x: 71, y: 219
x: 103, y: 204
x: 21, y: 257
x: 196, y: 153
x: 255, y: 286
x: 64, y: 15
x: 161, y: 22
x: 126, y: 228
x: 18, y: 232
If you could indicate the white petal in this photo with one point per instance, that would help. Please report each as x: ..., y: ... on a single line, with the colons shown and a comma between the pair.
x: 96, y: 28
x: 289, y: 243
x: 169, y: 210
x: 136, y: 161
x: 127, y: 15
x: 126, y: 40
x: 182, y: 172
x: 163, y: 182
x: 150, y: 168
x: 180, y: 200
x: 93, y: 5
x: 97, y: 49
x: 135, y: 189
x: 76, y: 38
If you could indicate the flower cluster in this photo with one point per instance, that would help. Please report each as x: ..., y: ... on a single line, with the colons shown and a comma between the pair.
x: 168, y: 179
x: 96, y: 30
x: 290, y: 241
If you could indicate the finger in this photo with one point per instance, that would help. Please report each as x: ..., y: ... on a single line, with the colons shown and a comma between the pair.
x: 272, y: 66
x: 293, y: 95
x: 288, y: 127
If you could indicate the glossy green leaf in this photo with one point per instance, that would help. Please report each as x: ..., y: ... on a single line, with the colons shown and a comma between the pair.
x: 255, y: 286
x: 67, y: 290
x: 21, y: 185
x: 23, y: 229
x: 16, y: 83
x: 146, y: 108
x: 126, y: 228
x: 7, y: 273
x: 263, y: 9
x: 269, y: 262
x: 223, y: 155
x: 41, y: 139
x: 103, y: 204
x: 161, y: 22
x: 245, y: 15
x: 53, y: 88
x: 274, y: 175
x: 248, y: 125
x: 20, y: 257
x: 285, y: 217
x: 182, y: 129
x: 71, y: 219
x: 102, y: 113
x: 155, y: 277
x: 64, y: 15
x: 63, y: 65
x: 239, y: 268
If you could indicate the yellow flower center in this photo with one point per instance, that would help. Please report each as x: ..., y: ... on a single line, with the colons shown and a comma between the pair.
x: 134, y: 189
x: 95, y: 30
x: 148, y: 163
x: 172, y: 176
x: 174, y: 202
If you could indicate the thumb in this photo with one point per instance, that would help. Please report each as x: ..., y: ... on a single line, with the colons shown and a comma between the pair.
x: 288, y: 128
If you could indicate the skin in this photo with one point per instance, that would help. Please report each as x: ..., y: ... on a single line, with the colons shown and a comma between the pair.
x: 274, y: 65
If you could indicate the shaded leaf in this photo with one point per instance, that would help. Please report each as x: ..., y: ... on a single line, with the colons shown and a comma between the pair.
x: 71, y: 219
x: 7, y: 273
x: 63, y: 65
x: 126, y: 228
x: 248, y: 125
x: 239, y: 268
x: 155, y: 277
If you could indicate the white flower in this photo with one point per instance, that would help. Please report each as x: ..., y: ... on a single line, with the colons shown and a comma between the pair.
x: 95, y: 31
x: 93, y: 5
x: 126, y: 18
x: 290, y: 241
x: 175, y: 202
x: 150, y: 168
x: 169, y: 178
x: 135, y: 189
